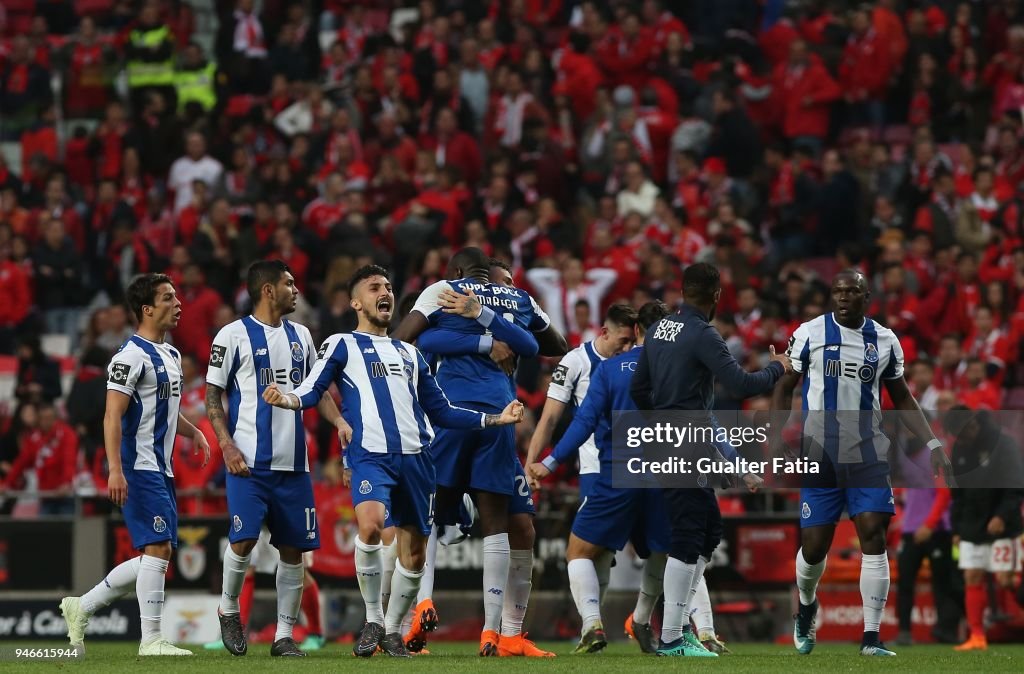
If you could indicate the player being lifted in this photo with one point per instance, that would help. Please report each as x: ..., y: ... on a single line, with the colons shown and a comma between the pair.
x: 264, y: 448
x: 391, y: 400
x: 844, y: 357
x: 139, y: 426
x: 484, y: 462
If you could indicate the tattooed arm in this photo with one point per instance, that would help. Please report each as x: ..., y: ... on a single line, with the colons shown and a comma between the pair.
x: 233, y: 459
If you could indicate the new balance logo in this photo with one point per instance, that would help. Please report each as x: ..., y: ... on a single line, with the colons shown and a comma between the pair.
x: 496, y: 591
x: 259, y: 352
x: 369, y: 351
x: 833, y: 347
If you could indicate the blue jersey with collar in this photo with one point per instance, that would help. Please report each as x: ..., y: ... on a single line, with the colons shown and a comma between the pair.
x: 474, y: 377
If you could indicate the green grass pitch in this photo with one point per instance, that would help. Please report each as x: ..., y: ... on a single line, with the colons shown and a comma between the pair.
x: 620, y: 658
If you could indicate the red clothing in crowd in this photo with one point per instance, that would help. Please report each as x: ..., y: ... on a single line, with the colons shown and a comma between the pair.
x: 985, y: 396
x: 194, y: 334
x: 865, y: 67
x: 189, y: 472
x: 15, y: 294
x: 53, y: 454
x: 803, y: 95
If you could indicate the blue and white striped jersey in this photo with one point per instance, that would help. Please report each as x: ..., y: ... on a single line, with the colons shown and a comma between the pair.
x: 149, y: 374
x: 843, y: 371
x: 246, y: 357
x: 570, y: 382
x: 389, y: 396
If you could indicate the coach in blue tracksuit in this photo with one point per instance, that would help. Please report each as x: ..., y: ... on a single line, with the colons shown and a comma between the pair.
x: 682, y: 356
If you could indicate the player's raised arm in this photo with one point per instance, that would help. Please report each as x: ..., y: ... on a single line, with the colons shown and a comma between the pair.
x: 468, y: 306
x: 333, y: 357
x: 440, y: 410
x: 584, y: 423
x: 714, y: 353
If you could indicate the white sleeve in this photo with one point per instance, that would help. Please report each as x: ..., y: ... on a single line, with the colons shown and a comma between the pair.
x: 894, y: 368
x: 222, y: 355
x: 601, y: 280
x: 540, y: 320
x: 565, y: 377
x: 124, y: 371
x: 799, y: 348
x: 548, y: 283
x: 426, y: 303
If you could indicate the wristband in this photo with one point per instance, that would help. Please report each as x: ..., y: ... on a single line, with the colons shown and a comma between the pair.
x: 550, y: 462
x: 934, y: 444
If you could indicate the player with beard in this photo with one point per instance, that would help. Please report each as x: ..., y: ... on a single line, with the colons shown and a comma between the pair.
x: 391, y: 400
x: 264, y: 448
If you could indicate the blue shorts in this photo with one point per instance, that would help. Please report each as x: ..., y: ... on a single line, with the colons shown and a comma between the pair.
x: 824, y: 497
x: 482, y: 459
x: 522, y: 499
x: 283, y: 499
x: 586, y: 483
x: 609, y: 517
x: 151, y: 512
x: 404, y: 483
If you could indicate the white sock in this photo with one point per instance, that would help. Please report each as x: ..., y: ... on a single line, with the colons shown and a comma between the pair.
x: 586, y: 592
x: 390, y: 557
x: 874, y: 589
x: 678, y: 583
x: 118, y: 583
x: 427, y: 583
x: 517, y: 594
x: 496, y: 563
x: 603, y: 566
x: 700, y: 609
x: 235, y: 567
x: 149, y: 586
x: 807, y: 577
x: 369, y: 573
x: 289, y: 597
x: 404, y: 586
x: 650, y: 588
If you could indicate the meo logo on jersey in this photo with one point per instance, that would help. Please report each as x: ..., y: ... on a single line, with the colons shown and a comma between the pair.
x: 365, y: 487
x: 297, y: 354
x: 839, y: 368
x: 119, y: 373
x: 217, y: 353
x: 159, y: 525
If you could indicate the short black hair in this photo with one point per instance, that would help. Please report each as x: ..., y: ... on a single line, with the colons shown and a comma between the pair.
x: 700, y: 282
x: 652, y: 312
x: 364, y: 273
x: 472, y: 261
x: 261, y: 273
x: 622, y: 315
x: 495, y: 262
x: 142, y: 291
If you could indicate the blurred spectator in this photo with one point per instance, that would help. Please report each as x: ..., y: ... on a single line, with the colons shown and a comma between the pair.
x: 804, y: 90
x: 196, y: 81
x: 195, y: 165
x: 149, y: 52
x: 52, y: 451
x: 559, y: 291
x: 15, y: 298
x: 24, y: 90
x: 242, y: 50
x: 86, y: 400
x: 38, y: 378
x: 193, y: 336
x: 14, y: 432
x: 58, y: 270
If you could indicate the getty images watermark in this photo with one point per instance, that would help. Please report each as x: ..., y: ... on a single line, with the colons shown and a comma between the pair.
x: 813, y: 449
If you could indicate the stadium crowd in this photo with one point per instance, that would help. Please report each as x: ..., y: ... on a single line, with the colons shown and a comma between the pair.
x: 595, y: 146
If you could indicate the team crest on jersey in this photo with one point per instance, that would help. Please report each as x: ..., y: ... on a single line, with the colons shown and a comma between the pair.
x: 236, y: 523
x: 217, y: 353
x: 805, y: 511
x: 870, y: 353
x: 297, y: 354
x: 702, y: 480
x: 119, y: 373
x: 559, y: 375
x: 159, y: 525
x: 365, y: 487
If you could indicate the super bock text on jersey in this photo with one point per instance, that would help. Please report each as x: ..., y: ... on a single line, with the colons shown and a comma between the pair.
x: 149, y: 373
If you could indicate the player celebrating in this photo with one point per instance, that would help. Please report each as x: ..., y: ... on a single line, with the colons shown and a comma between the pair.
x: 265, y: 448
x: 608, y: 516
x: 484, y: 462
x: 844, y: 358
x: 392, y: 398
x: 139, y: 426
